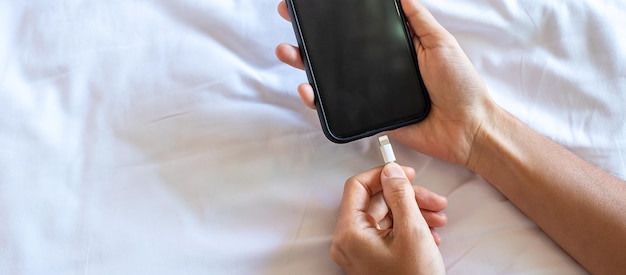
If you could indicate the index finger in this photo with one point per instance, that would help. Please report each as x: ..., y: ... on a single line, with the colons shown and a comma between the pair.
x: 282, y: 10
x: 357, y: 192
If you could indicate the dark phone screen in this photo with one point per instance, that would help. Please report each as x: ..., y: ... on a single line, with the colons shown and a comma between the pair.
x: 362, y: 65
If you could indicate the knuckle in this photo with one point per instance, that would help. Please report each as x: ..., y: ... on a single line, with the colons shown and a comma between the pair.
x: 351, y: 183
x: 337, y: 254
x: 351, y: 180
x: 401, y: 187
x: 355, y: 182
x: 341, y: 246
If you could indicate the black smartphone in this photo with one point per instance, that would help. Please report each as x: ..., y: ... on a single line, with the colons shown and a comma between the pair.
x: 362, y: 65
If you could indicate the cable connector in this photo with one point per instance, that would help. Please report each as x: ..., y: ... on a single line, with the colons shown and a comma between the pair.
x: 386, y: 150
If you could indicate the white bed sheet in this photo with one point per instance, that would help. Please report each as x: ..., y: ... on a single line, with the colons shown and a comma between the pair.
x: 163, y: 137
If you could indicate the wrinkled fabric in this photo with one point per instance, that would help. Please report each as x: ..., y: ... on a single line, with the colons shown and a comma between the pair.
x: 164, y: 137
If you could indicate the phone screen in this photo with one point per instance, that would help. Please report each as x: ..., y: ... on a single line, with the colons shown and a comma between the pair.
x: 361, y: 64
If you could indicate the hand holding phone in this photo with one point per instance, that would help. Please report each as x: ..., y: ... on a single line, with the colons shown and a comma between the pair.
x: 361, y: 64
x: 460, y: 100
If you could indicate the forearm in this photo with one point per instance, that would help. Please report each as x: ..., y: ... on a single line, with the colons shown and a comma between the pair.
x: 578, y: 205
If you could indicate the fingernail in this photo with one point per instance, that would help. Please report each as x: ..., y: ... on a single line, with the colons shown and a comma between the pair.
x: 393, y: 170
x: 437, y: 237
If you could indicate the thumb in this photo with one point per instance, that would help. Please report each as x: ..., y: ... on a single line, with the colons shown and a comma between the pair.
x: 400, y: 196
x: 421, y: 20
x: 424, y: 24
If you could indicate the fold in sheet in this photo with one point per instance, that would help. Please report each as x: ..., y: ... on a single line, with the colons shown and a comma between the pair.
x: 151, y: 137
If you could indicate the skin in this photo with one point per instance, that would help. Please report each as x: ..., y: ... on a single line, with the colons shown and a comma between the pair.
x: 405, y: 246
x: 581, y: 207
x: 430, y: 204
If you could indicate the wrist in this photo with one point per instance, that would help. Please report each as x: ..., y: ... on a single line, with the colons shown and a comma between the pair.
x: 489, y: 133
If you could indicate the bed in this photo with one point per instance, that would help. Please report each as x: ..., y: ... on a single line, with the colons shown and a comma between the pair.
x: 164, y: 137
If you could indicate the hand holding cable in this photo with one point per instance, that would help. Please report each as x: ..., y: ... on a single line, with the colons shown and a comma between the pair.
x: 406, y: 244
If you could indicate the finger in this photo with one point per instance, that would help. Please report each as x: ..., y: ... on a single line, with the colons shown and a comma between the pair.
x: 429, y: 200
x: 290, y: 55
x: 371, y: 178
x: 378, y: 208
x: 400, y: 197
x: 307, y: 95
x: 357, y: 192
x: 422, y: 22
x: 435, y: 219
x: 436, y: 236
x: 282, y: 10
x: 409, y: 172
x: 386, y: 223
x: 384, y: 218
x: 356, y: 199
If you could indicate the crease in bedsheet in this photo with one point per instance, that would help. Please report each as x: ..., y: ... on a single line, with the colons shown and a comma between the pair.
x: 563, y: 35
x: 467, y: 263
x: 503, y: 226
x: 221, y: 27
x: 177, y: 128
x: 303, y: 216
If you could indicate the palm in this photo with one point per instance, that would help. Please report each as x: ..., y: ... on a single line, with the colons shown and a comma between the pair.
x: 455, y: 89
x: 445, y: 133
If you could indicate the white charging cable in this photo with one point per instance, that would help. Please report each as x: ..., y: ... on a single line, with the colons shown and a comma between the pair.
x: 386, y: 149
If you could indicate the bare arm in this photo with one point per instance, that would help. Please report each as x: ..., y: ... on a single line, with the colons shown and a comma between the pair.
x: 578, y: 205
x: 581, y: 207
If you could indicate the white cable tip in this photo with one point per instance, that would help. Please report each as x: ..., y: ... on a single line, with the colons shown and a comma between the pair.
x: 386, y: 149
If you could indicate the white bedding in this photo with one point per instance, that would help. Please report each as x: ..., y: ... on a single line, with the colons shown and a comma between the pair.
x: 163, y: 137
